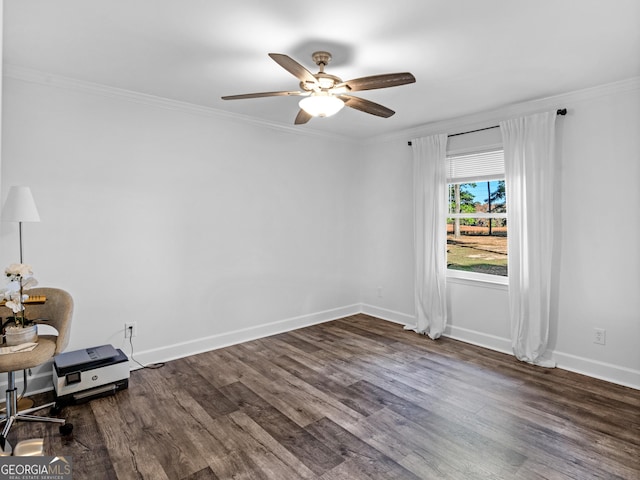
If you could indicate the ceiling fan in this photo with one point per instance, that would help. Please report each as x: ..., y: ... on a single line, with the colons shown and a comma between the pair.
x: 326, y: 94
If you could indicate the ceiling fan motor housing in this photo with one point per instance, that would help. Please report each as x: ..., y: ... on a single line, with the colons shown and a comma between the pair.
x: 321, y: 58
x: 325, y: 81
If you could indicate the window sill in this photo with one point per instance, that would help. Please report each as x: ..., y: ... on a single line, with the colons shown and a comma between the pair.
x: 478, y: 279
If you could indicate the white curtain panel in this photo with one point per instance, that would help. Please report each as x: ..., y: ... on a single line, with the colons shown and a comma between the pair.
x: 529, y: 165
x: 430, y: 234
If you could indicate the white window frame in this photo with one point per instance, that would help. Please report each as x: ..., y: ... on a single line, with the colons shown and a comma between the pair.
x: 462, y: 276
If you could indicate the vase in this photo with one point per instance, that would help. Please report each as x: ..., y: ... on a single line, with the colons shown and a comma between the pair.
x: 18, y: 335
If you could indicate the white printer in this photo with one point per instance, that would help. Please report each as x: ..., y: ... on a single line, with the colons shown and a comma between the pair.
x: 94, y: 372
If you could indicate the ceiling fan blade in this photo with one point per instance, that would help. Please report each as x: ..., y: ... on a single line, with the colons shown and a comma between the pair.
x: 294, y: 68
x: 302, y: 117
x: 378, y: 81
x: 262, y: 94
x: 366, y: 106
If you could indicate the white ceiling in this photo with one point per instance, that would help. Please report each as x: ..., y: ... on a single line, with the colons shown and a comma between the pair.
x: 467, y: 55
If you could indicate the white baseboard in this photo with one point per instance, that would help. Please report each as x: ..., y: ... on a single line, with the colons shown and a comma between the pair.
x: 492, y: 342
x: 464, y: 335
x: 386, y: 314
x: 213, y: 342
x: 604, y: 371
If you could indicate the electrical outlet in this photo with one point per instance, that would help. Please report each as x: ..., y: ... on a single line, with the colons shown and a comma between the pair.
x: 599, y: 336
x: 379, y: 292
x: 130, y: 329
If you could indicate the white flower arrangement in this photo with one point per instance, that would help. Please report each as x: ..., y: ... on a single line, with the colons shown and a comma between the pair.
x: 20, y: 277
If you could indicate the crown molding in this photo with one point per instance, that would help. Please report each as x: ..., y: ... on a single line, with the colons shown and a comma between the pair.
x: 495, y: 116
x: 450, y: 125
x: 52, y: 80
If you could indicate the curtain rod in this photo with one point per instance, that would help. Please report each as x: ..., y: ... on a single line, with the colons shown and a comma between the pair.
x: 560, y: 111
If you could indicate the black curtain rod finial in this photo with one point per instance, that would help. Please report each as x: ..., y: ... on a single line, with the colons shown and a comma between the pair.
x: 560, y: 111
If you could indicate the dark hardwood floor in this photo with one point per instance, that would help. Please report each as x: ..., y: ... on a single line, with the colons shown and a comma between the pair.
x: 356, y: 398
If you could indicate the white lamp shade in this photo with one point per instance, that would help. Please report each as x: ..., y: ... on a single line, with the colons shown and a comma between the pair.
x: 321, y: 104
x: 20, y: 206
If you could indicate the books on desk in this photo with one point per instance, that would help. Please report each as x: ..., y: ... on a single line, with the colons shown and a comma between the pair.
x: 32, y: 300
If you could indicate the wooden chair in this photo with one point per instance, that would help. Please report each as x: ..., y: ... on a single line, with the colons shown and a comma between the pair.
x: 56, y: 312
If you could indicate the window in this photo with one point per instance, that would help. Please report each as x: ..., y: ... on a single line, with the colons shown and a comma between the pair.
x: 477, y: 216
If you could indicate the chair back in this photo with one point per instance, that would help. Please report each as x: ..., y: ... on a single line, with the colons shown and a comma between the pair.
x: 57, y: 310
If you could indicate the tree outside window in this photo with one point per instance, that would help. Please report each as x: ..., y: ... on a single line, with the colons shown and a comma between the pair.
x: 477, y: 227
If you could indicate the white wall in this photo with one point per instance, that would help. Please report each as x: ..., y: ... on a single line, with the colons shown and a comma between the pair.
x: 599, y: 258
x: 597, y: 272
x: 387, y: 223
x: 1, y: 79
x: 202, y: 229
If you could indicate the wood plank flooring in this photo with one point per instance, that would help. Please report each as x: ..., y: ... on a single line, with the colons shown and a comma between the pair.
x: 356, y: 398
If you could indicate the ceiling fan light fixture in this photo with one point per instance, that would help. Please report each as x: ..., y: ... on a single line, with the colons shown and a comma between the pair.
x: 327, y: 94
x: 321, y: 104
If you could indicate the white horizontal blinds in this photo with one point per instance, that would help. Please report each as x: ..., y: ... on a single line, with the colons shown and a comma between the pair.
x: 474, y: 167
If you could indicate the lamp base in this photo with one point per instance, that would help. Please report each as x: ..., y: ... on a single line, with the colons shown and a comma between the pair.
x: 25, y: 403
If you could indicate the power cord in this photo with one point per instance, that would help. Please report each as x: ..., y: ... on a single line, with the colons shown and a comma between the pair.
x: 151, y: 366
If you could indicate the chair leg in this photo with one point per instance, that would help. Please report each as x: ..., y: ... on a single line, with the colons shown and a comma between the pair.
x: 11, y: 407
x: 27, y: 411
x: 36, y: 418
x: 13, y: 415
x: 5, y: 446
